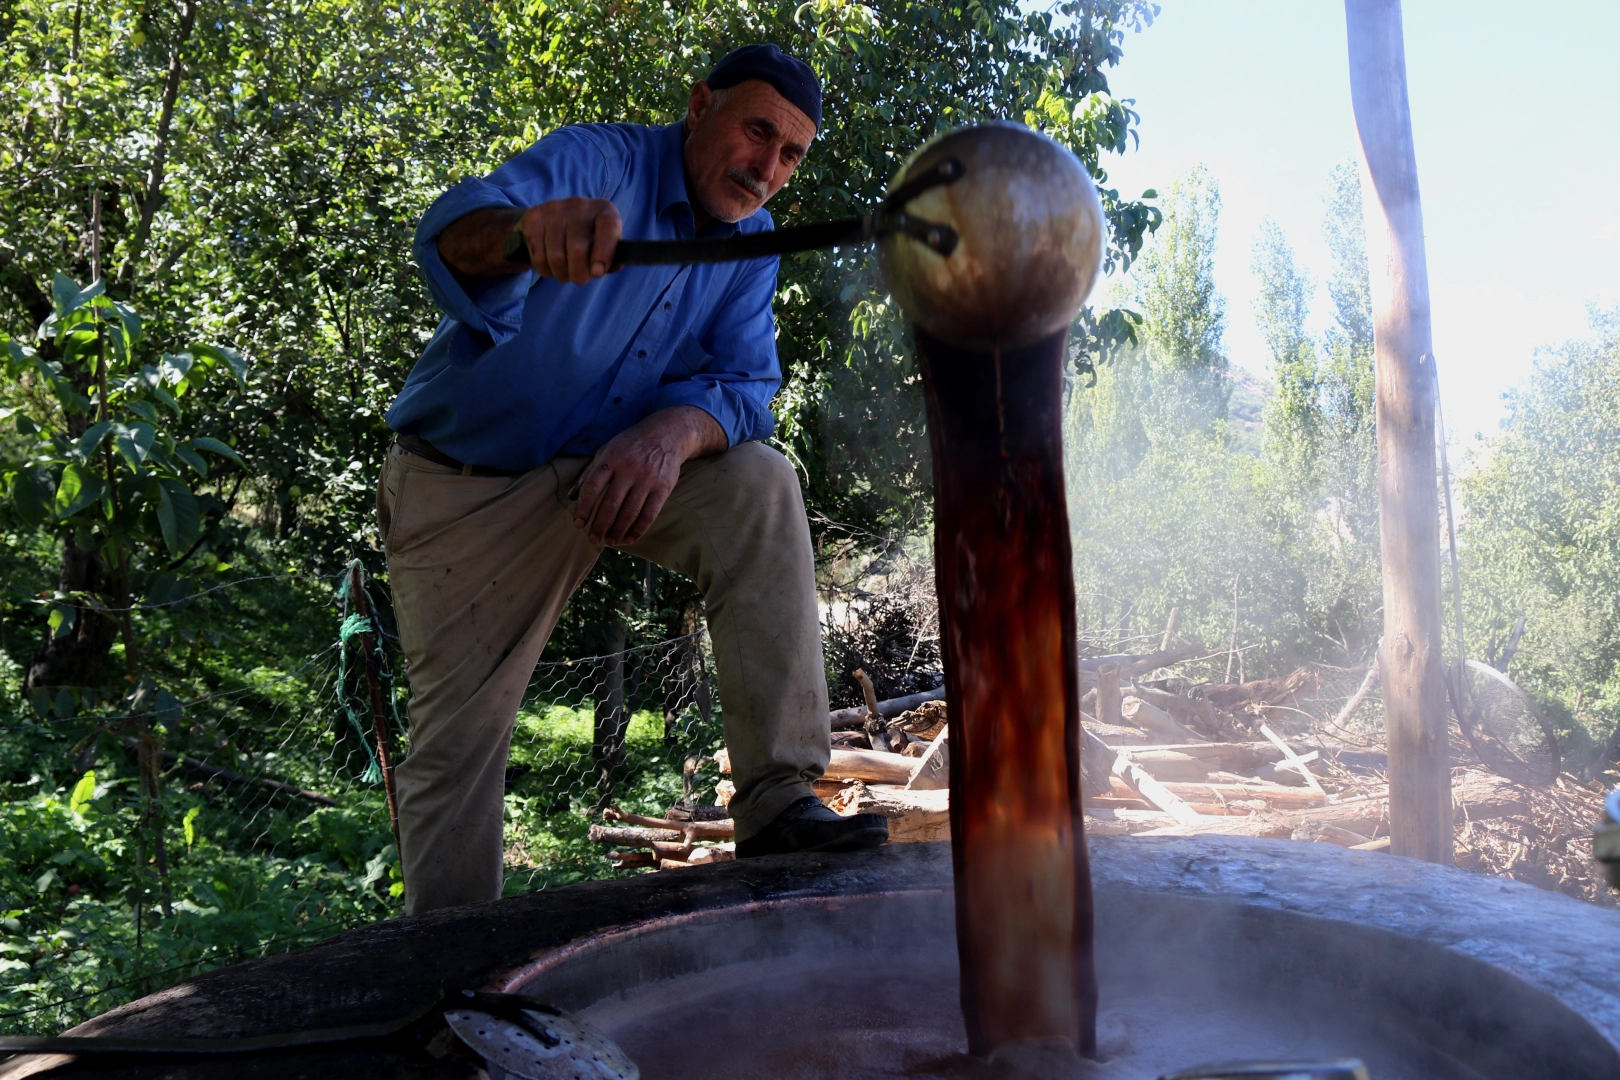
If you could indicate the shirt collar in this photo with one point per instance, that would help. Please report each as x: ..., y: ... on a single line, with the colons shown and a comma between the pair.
x: 672, y: 194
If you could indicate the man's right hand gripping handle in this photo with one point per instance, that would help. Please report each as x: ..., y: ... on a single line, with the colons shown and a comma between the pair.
x: 568, y: 239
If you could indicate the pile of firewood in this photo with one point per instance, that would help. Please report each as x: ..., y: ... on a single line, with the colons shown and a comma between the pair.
x: 682, y: 837
x: 1207, y: 759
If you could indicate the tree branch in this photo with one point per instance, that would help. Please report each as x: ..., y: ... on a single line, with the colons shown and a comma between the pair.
x: 152, y: 194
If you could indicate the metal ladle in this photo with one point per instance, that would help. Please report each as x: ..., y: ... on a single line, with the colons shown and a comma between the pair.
x: 888, y: 218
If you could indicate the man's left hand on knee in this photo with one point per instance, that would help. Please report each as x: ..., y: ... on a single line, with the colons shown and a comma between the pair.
x: 623, y: 489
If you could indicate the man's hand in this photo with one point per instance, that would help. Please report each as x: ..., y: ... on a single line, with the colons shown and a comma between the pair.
x: 572, y: 239
x: 624, y: 487
x: 569, y: 239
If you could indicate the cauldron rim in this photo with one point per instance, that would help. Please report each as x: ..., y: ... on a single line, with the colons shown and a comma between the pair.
x: 383, y: 970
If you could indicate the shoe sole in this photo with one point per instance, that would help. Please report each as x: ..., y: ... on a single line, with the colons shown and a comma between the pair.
x: 865, y: 840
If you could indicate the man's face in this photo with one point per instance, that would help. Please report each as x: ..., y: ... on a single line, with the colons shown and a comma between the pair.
x: 742, y: 145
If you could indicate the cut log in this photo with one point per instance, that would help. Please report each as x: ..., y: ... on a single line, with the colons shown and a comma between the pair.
x: 1185, y: 710
x: 926, y: 721
x: 914, y: 816
x: 1138, y: 779
x: 704, y: 855
x: 676, y: 850
x: 871, y: 766
x: 1272, y: 796
x: 1293, y: 760
x: 680, y: 813
x: 1108, y: 697
x: 1146, y: 715
x: 628, y: 860
x: 1113, y: 735
x: 855, y: 715
x: 690, y: 830
x: 633, y: 836
x: 722, y: 758
x: 1256, y: 695
x: 851, y: 740
x: 933, y: 772
x: 1169, y: 764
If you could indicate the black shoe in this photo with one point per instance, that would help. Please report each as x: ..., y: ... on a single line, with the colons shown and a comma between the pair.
x: 807, y: 825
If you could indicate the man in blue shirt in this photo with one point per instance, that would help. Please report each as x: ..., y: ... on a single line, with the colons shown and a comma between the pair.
x: 572, y: 404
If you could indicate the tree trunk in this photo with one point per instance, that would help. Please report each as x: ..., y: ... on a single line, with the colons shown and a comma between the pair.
x: 612, y: 718
x: 76, y: 658
x: 1410, y: 658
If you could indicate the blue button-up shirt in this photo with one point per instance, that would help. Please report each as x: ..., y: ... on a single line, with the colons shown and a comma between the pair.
x: 523, y: 368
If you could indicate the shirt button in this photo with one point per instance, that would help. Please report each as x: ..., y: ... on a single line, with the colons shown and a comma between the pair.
x: 641, y: 352
x: 617, y: 400
x: 666, y: 305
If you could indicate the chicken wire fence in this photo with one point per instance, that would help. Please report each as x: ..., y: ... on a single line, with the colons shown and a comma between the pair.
x: 213, y: 829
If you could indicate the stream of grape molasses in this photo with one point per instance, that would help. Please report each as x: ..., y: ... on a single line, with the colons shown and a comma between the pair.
x: 1007, y: 625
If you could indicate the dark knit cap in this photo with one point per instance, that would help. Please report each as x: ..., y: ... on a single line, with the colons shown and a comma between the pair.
x: 792, y: 78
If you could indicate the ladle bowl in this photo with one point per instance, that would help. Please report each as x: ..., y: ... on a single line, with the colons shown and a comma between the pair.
x: 1030, y: 233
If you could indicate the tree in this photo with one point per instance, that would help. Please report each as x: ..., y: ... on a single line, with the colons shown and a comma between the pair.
x: 1540, y: 537
x: 1321, y: 453
x: 1293, y: 418
x: 253, y: 173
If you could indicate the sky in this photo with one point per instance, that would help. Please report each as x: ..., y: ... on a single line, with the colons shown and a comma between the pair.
x: 1516, y: 123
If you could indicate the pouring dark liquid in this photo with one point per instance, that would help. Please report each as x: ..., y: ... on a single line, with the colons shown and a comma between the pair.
x: 1006, y: 597
x: 991, y: 321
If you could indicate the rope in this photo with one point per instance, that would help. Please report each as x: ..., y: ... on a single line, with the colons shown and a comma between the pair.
x: 357, y: 706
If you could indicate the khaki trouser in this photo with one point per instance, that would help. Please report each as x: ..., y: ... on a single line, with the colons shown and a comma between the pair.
x: 480, y: 568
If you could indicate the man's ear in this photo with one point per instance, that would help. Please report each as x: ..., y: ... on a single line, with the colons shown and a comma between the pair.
x: 698, y: 105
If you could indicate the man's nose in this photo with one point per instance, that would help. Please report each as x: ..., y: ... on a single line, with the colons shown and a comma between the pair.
x: 762, y: 165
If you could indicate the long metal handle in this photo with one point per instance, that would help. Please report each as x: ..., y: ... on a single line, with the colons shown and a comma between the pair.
x: 823, y: 234
x: 889, y: 217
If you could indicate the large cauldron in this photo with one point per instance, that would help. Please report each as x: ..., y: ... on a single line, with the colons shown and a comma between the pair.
x: 845, y: 967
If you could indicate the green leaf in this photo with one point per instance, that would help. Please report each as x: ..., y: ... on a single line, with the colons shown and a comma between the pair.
x: 192, y: 458
x: 31, y: 495
x: 80, y: 488
x: 178, y: 516
x: 214, y: 446
x: 67, y: 297
x: 61, y: 620
x: 63, y: 290
x: 189, y: 824
x: 91, y: 439
x: 82, y: 793
x: 176, y: 367
x: 144, y: 410
x: 135, y: 443
x: 230, y: 356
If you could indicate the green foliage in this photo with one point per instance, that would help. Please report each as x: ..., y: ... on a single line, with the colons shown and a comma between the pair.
x: 1542, y: 535
x: 117, y: 448
x: 249, y: 176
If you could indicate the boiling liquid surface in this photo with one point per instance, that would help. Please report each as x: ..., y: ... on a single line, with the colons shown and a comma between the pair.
x: 795, y: 1021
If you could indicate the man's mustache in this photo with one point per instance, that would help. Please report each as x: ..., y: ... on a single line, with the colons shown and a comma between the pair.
x: 741, y: 177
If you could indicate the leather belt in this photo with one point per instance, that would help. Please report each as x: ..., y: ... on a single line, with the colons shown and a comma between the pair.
x: 413, y: 444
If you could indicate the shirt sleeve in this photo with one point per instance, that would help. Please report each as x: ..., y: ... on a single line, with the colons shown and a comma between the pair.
x: 740, y: 373
x: 565, y: 163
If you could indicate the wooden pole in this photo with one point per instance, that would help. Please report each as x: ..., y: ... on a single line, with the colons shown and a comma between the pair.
x: 1410, y: 657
